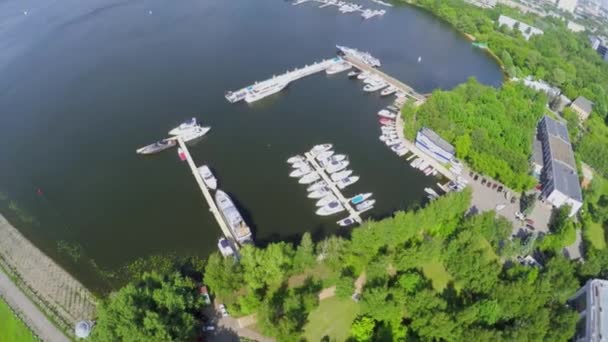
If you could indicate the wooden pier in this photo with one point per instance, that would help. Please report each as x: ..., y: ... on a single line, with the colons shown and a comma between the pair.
x: 344, y: 201
x: 404, y: 88
x: 212, y: 207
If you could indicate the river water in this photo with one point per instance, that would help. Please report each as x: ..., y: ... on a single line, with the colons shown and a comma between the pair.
x: 83, y: 84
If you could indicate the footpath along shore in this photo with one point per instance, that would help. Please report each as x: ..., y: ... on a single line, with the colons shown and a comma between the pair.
x: 40, y: 280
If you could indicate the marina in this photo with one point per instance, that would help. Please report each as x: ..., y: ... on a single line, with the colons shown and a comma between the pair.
x: 349, y: 7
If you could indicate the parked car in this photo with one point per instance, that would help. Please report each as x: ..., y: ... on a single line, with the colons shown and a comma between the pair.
x: 513, y: 199
x: 483, y: 181
x: 528, y: 221
x: 494, y: 186
x: 223, y: 311
x: 500, y: 188
x: 208, y: 328
x: 476, y: 177
x: 519, y: 215
x: 489, y: 184
x: 470, y: 173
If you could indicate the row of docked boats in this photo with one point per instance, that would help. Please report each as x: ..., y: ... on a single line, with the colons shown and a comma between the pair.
x: 374, y: 82
x: 325, y: 173
x: 188, y: 131
x: 390, y: 135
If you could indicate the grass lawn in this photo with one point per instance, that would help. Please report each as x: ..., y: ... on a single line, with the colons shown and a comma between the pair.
x: 11, y: 327
x: 332, y: 318
x: 435, y: 271
x: 595, y: 234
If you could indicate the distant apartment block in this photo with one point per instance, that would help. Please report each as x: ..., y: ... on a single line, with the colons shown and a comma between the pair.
x: 559, y: 178
x: 574, y: 27
x: 591, y: 302
x: 483, y: 3
x: 434, y: 145
x: 583, y: 107
x: 599, y: 44
x: 567, y: 5
x: 526, y: 30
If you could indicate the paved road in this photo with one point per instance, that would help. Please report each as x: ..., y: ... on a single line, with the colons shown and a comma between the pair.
x: 33, y: 317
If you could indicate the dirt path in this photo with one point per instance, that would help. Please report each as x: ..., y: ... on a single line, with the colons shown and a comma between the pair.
x: 30, y: 313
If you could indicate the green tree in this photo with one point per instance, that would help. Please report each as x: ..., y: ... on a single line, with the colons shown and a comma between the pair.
x: 305, y: 253
x: 463, y: 145
x: 222, y: 275
x: 266, y: 267
x: 154, y: 308
x: 362, y: 329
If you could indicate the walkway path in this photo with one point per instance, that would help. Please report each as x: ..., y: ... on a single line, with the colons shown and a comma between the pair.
x: 30, y: 313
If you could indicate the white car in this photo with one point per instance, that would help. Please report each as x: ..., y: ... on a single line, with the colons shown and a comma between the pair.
x: 519, y: 215
x: 223, y: 310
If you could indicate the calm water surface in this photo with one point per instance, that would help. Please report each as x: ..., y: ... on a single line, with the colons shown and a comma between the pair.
x: 84, y: 84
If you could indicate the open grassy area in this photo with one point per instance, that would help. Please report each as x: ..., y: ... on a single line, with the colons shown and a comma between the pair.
x: 332, y: 318
x: 594, y: 233
x: 435, y: 271
x: 11, y: 327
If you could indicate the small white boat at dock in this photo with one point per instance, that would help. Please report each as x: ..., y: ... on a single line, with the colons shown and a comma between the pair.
x: 338, y: 68
x: 309, y: 178
x: 353, y: 74
x: 387, y: 114
x: 316, y: 186
x: 330, y: 209
x: 366, y: 205
x: 225, y: 247
x: 392, y: 142
x: 184, y: 127
x: 388, y: 91
x: 297, y: 173
x: 295, y: 159
x: 399, y: 149
x: 208, y: 177
x: 372, y: 87
x: 340, y: 175
x: 326, y: 200
x: 431, y: 192
x: 300, y: 165
x: 319, y: 193
x: 335, y: 166
x: 343, y: 183
x: 364, y: 75
x: 320, y: 148
x: 324, y: 155
x: 157, y: 146
x: 360, y: 198
x: 194, y: 133
x: 345, y: 222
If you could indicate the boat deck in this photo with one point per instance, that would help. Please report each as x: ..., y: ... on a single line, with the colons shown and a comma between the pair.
x: 332, y: 185
x: 212, y: 206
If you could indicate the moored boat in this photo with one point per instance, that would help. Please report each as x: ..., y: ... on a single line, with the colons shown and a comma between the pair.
x: 343, y: 183
x: 208, y: 177
x: 296, y: 159
x: 326, y: 200
x: 300, y: 165
x: 345, y: 222
x: 315, y: 150
x: 388, y: 91
x: 330, y: 209
x: 370, y: 88
x: 386, y: 114
x: 184, y: 127
x: 157, y: 146
x: 309, y: 178
x: 324, y: 155
x: 225, y: 247
x: 233, y: 217
x: 340, y: 175
x: 387, y: 121
x: 194, y: 133
x: 353, y: 74
x: 316, y: 186
x: 363, y: 75
x: 360, y: 198
x: 366, y: 205
x: 392, y: 142
x: 319, y: 193
x: 297, y: 173
x: 335, y: 166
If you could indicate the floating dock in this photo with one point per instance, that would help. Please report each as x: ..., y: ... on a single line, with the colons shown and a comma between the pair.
x: 260, y: 90
x: 348, y: 7
x: 212, y: 207
x: 344, y: 201
x: 404, y: 88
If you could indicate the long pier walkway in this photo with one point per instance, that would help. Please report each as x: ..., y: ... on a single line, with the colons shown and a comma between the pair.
x: 259, y: 90
x: 404, y: 88
x: 345, y: 202
x: 212, y: 207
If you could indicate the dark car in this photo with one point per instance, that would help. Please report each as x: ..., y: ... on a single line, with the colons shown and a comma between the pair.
x: 494, y: 186
x: 500, y: 188
x: 483, y: 181
x: 489, y: 184
x: 476, y: 177
x: 513, y: 199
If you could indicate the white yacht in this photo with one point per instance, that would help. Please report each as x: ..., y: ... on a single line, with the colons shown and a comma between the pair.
x: 386, y: 114
x: 194, y: 133
x: 225, y: 247
x: 372, y: 87
x: 338, y: 68
x: 330, y: 209
x: 316, y: 186
x: 366, y: 205
x: 309, y: 178
x: 340, y: 175
x: 208, y: 177
x: 324, y: 155
x: 335, y: 166
x: 326, y: 200
x: 364, y: 57
x: 295, y: 159
x: 363, y: 75
x: 388, y: 91
x: 319, y: 193
x: 233, y: 218
x: 297, y: 173
x: 315, y: 150
x: 343, y: 183
x: 345, y: 222
x: 262, y: 90
x: 184, y: 127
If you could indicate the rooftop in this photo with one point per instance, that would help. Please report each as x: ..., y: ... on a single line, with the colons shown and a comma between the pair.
x: 537, y: 152
x: 583, y: 103
x: 599, y: 304
x: 437, y: 140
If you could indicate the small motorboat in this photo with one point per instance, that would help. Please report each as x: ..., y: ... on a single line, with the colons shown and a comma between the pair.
x: 297, y: 173
x: 353, y: 74
x: 399, y: 149
x: 326, y: 200
x: 296, y: 159
x: 208, y: 177
x: 316, y: 186
x: 330, y: 209
x: 225, y: 247
x: 392, y: 142
x: 340, y: 175
x: 157, y: 146
x: 335, y: 166
x: 360, y: 198
x: 416, y: 162
x: 370, y: 88
x: 428, y: 171
x: 319, y: 193
x: 309, y: 178
x: 343, y: 183
x: 388, y: 91
x: 386, y: 114
x: 181, y: 154
x: 320, y: 148
x: 184, y: 127
x: 387, y: 121
x: 431, y: 192
x: 373, y: 79
x: 423, y: 165
x: 345, y: 222
x: 324, y: 155
x: 194, y: 133
x: 363, y: 75
x: 300, y: 165
x: 386, y: 137
x: 332, y: 159
x: 393, y: 108
x: 366, y: 205
x: 389, y: 131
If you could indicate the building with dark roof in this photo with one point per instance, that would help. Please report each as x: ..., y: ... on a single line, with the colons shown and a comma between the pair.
x: 434, y: 145
x: 560, y: 184
x: 583, y: 107
x: 591, y: 302
x: 537, y: 158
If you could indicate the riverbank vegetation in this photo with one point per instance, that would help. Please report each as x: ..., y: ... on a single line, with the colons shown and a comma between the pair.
x: 430, y: 274
x: 11, y: 327
x: 491, y: 129
x: 559, y: 56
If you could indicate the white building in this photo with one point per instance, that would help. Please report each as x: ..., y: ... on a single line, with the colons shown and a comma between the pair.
x: 526, y: 30
x: 567, y: 5
x: 560, y: 184
x: 434, y: 145
x: 574, y: 27
x: 591, y: 302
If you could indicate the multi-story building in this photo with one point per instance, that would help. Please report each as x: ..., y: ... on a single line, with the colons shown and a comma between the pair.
x: 559, y: 178
x: 582, y: 107
x: 526, y: 30
x: 434, y: 145
x: 591, y: 302
x: 567, y: 5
